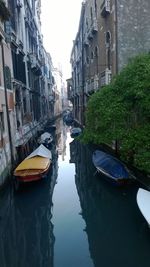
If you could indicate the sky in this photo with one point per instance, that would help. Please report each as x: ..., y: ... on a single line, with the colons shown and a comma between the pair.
x: 60, y: 21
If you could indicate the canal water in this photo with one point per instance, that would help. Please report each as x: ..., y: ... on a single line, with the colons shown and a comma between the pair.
x: 72, y: 218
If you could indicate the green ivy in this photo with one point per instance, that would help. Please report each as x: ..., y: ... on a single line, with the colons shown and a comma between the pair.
x: 121, y: 111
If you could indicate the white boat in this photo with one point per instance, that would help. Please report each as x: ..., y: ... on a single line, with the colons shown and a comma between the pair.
x: 46, y: 139
x: 143, y: 201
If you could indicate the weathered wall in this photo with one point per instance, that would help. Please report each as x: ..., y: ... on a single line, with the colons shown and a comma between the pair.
x: 133, y: 29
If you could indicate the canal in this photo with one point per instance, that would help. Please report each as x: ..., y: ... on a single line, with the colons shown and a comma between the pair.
x: 72, y: 218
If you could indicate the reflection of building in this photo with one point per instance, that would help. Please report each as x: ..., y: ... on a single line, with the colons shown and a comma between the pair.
x: 61, y: 136
x: 110, y: 214
x: 69, y: 92
x: 26, y: 232
x: 58, y: 88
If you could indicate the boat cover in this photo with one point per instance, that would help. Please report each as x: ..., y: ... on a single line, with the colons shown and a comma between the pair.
x: 35, y: 163
x: 41, y: 151
x: 109, y: 164
x: 76, y: 130
x: 143, y: 201
x: 44, y: 136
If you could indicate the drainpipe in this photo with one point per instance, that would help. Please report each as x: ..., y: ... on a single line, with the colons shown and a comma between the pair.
x: 6, y: 102
x: 83, y: 75
x: 116, y: 34
x: 116, y: 37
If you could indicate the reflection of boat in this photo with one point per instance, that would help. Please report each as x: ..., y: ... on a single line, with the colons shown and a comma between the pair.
x: 111, y: 167
x: 109, y: 216
x: 143, y: 201
x: 74, y: 132
x: 46, y: 139
x: 52, y: 127
x: 34, y: 167
x: 31, y: 221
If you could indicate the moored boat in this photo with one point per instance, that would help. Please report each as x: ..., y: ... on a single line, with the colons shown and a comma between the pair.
x: 75, y: 131
x: 46, y: 139
x: 143, y: 201
x: 112, y: 168
x: 34, y: 167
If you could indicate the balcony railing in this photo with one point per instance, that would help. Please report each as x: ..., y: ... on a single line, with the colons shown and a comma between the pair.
x: 35, y: 63
x: 92, y: 85
x: 51, y: 98
x: 94, y: 26
x: 105, y: 77
x: 85, y: 39
x: 105, y: 8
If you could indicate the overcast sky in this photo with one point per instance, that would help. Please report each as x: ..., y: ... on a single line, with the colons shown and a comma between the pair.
x: 60, y: 21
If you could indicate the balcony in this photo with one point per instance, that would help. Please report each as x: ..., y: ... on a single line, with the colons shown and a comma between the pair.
x: 33, y: 60
x: 51, y: 98
x: 25, y: 133
x: 105, y: 77
x: 35, y: 65
x: 105, y: 8
x: 90, y: 35
x: 85, y: 40
x: 19, y: 4
x: 91, y: 85
x: 71, y: 95
x: 94, y: 26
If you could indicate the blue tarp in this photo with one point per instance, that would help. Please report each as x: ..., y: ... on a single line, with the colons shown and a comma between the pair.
x: 109, y: 164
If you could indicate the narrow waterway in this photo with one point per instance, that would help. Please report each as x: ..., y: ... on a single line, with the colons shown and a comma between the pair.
x: 72, y: 218
x: 71, y: 244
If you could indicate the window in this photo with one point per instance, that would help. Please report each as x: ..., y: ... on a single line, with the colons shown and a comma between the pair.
x: 0, y: 79
x: 91, y: 12
x: 2, y: 126
x: 95, y: 3
x: 108, y: 39
x: 96, y: 52
x: 87, y: 60
x: 24, y: 101
x: 96, y: 58
x: 87, y: 23
x: 92, y: 56
x: 8, y: 77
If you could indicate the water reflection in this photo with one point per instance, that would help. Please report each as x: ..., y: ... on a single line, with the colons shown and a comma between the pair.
x: 27, y: 237
x: 117, y: 233
x: 61, y: 137
x: 71, y: 246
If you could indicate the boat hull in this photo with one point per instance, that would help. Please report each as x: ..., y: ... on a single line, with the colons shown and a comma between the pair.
x: 31, y: 175
x: 143, y: 201
x: 75, y: 132
x: 113, y: 180
x: 35, y: 166
x: 111, y: 168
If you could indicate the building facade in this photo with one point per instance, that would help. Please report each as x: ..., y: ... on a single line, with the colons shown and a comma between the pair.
x: 110, y: 33
x: 7, y: 103
x: 27, y: 84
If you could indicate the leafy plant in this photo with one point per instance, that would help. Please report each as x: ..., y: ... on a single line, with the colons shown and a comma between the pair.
x: 121, y: 111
